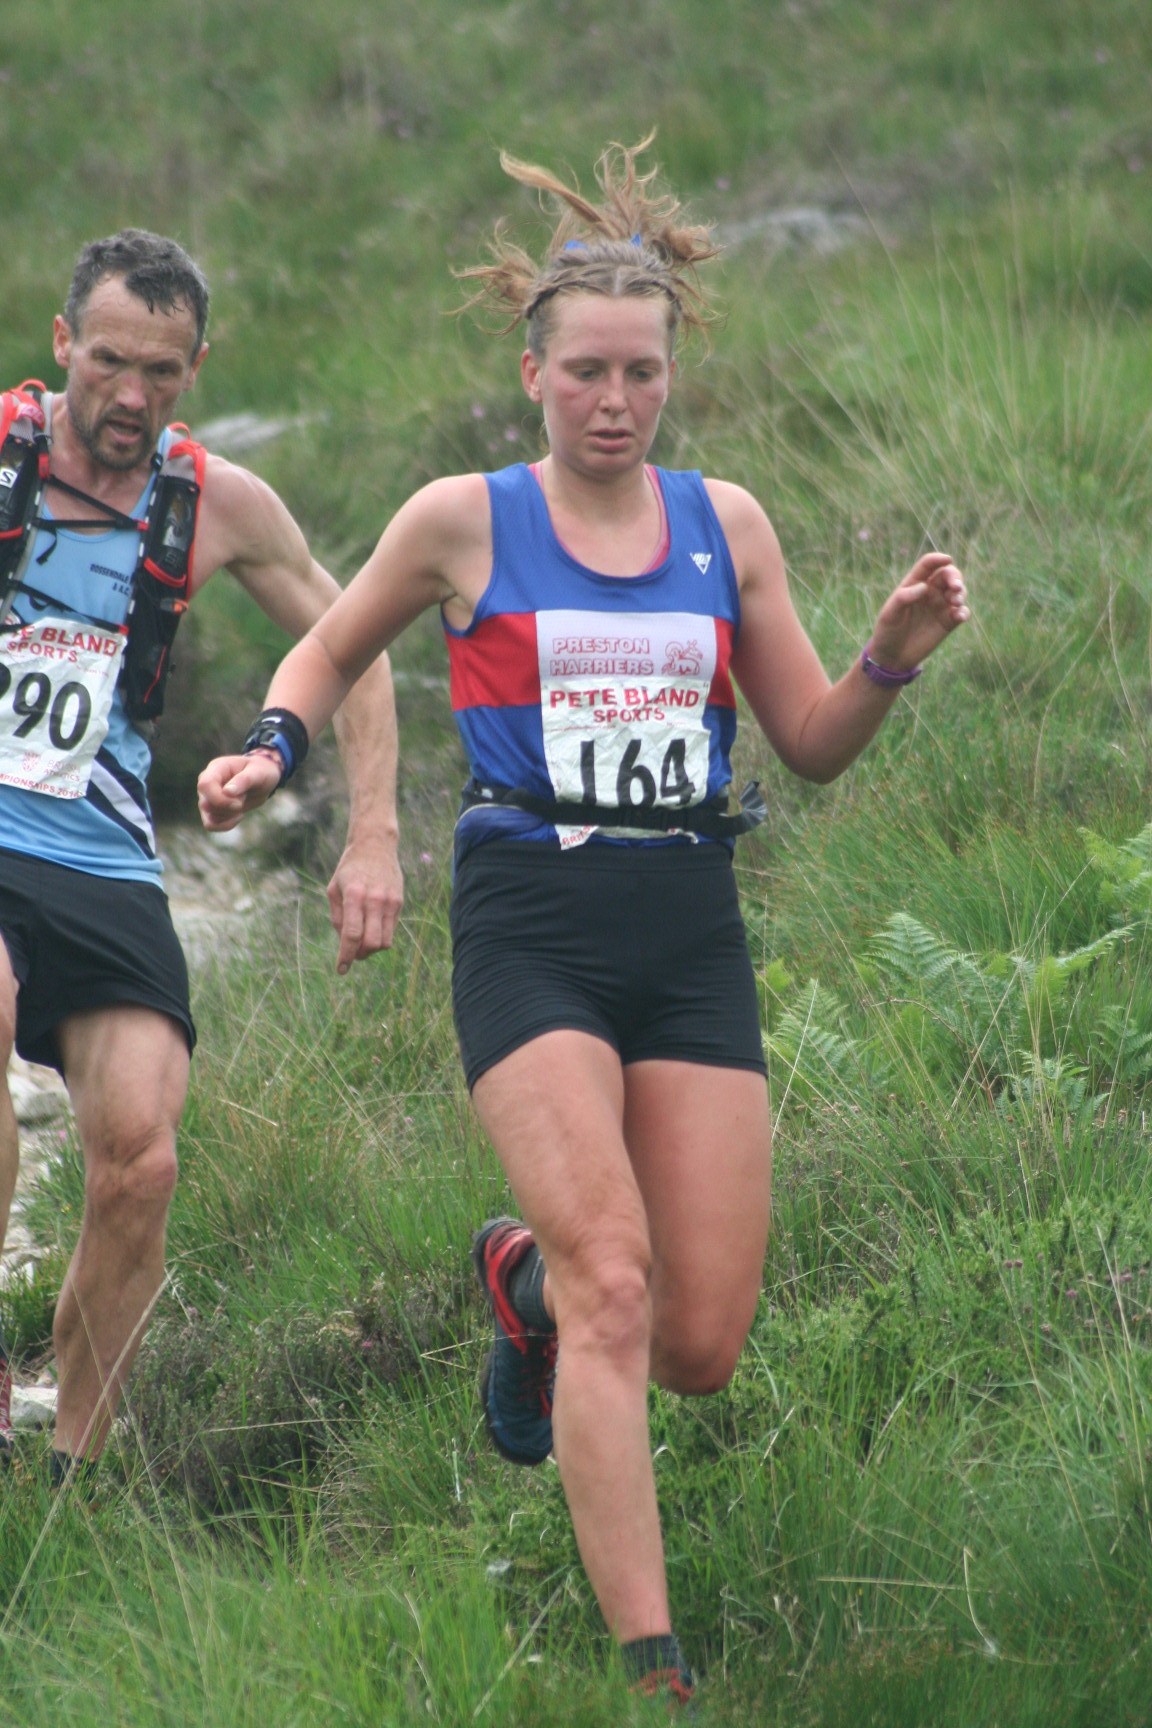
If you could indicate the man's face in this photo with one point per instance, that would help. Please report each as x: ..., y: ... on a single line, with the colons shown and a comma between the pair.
x: 127, y: 368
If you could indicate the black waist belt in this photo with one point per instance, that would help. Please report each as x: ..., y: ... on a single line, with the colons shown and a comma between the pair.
x: 711, y: 820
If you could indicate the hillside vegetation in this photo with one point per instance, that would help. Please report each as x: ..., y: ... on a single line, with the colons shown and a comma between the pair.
x: 928, y: 1494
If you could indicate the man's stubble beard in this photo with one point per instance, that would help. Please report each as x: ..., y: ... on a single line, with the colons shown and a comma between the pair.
x: 119, y: 462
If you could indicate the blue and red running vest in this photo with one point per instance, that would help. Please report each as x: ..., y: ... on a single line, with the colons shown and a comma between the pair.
x: 604, y: 689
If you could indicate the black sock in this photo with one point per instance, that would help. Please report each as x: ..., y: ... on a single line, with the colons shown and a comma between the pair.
x: 656, y: 1655
x: 526, y: 1288
x: 63, y: 1468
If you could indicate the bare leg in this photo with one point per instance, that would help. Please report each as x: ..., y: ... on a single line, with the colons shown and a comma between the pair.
x: 554, y: 1112
x: 127, y: 1072
x: 9, y: 1134
x: 648, y: 1190
x: 9, y: 1167
x: 700, y: 1141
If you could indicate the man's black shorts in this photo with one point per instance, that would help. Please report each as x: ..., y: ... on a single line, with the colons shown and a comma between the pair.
x: 78, y: 941
x: 643, y: 946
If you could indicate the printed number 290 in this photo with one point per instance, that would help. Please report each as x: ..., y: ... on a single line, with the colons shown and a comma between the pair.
x: 68, y: 710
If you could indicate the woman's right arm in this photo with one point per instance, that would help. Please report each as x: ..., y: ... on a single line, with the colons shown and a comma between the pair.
x: 433, y: 551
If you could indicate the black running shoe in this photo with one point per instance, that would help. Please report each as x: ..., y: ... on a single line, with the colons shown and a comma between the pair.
x: 519, y: 1373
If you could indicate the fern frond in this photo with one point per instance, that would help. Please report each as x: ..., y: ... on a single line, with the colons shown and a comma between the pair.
x: 818, y: 1061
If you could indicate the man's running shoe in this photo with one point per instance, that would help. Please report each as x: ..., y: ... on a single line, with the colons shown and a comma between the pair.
x: 673, y: 1686
x: 658, y: 1671
x: 519, y: 1372
x: 5, y: 1405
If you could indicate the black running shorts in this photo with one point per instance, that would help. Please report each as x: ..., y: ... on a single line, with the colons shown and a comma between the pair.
x: 78, y: 941
x: 642, y: 946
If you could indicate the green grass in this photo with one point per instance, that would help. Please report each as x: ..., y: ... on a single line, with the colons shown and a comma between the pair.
x: 928, y: 1494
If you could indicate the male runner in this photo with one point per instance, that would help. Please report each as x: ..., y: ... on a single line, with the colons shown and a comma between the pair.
x: 92, y: 977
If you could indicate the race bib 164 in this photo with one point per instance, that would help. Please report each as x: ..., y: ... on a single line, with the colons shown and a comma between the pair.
x: 623, y: 706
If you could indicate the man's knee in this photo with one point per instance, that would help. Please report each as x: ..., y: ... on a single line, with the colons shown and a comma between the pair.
x: 134, y: 1177
x: 8, y: 988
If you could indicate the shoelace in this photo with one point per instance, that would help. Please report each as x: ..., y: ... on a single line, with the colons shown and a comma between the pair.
x: 541, y: 1368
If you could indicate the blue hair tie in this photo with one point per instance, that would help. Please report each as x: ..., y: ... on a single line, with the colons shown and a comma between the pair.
x: 582, y: 245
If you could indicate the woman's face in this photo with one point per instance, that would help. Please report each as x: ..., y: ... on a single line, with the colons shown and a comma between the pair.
x: 603, y: 380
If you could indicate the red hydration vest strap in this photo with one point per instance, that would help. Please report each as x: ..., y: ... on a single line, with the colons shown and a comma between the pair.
x: 162, y: 580
x: 24, y: 457
x: 22, y: 403
x: 162, y: 583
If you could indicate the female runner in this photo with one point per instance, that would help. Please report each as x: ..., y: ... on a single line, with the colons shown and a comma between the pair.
x: 597, y: 610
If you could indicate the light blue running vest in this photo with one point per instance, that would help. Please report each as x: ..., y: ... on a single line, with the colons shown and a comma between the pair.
x: 108, y: 832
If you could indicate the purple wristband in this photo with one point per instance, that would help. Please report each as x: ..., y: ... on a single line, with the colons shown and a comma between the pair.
x: 884, y: 675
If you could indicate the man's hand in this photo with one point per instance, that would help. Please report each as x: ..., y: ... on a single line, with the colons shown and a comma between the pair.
x: 365, y: 896
x: 230, y: 786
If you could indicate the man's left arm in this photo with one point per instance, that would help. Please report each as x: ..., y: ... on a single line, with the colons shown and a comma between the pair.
x: 246, y: 529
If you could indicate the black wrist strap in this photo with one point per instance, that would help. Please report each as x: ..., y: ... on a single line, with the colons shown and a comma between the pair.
x: 280, y: 730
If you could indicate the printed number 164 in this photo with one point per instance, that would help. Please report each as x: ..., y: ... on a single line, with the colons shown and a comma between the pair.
x: 675, y: 785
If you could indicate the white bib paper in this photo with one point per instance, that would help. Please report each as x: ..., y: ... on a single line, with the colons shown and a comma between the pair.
x: 623, y: 699
x: 57, y: 680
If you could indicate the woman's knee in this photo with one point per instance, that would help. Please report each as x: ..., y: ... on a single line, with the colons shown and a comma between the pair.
x: 694, y: 1374
x: 602, y: 1297
x: 695, y: 1353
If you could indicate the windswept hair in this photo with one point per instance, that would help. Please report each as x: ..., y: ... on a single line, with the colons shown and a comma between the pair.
x: 631, y: 242
x: 157, y: 270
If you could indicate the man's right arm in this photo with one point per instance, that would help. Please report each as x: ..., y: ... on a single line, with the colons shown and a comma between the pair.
x: 247, y: 530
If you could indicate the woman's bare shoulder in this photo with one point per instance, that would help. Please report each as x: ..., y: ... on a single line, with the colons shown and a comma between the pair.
x: 735, y: 505
x: 750, y: 535
x: 454, y: 497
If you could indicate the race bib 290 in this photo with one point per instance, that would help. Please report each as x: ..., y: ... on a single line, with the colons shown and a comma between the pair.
x: 57, y: 680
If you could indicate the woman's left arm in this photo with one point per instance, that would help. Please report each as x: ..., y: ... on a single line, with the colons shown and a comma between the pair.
x: 816, y: 727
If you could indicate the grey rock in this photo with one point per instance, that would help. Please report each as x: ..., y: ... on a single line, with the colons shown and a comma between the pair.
x: 33, y: 1407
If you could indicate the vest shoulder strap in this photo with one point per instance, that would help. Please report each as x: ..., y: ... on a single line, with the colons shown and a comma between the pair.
x: 25, y: 447
x: 162, y: 581
x: 162, y: 577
